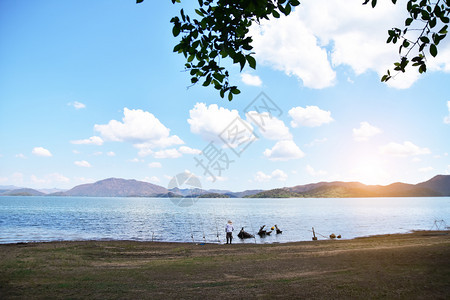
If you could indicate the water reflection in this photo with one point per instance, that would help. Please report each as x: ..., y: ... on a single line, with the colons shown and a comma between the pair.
x: 24, y: 219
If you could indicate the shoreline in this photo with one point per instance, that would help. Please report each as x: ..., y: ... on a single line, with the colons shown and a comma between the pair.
x: 234, y: 239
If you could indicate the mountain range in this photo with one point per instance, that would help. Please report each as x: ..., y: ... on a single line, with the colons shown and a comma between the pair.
x: 117, y: 187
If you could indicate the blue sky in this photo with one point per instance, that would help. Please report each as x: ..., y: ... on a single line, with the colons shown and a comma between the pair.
x: 91, y: 90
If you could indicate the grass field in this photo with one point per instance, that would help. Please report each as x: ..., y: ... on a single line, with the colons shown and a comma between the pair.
x: 403, y: 266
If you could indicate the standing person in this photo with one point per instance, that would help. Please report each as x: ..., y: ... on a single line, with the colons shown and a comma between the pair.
x: 229, y: 230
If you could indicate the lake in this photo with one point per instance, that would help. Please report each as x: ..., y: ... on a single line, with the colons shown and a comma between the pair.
x: 32, y: 219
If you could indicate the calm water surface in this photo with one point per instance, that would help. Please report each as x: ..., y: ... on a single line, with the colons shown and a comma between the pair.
x: 27, y: 219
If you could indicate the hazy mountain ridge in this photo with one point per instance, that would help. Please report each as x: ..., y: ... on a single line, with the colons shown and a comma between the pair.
x: 22, y: 192
x: 117, y: 187
x: 437, y: 186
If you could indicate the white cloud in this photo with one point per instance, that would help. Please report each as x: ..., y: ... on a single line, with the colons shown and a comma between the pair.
x: 262, y: 177
x: 77, y: 105
x: 110, y: 153
x: 155, y: 165
x: 269, y: 126
x: 313, y: 172
x: 425, y: 169
x: 211, y: 121
x: 167, y: 153
x: 189, y: 150
x: 82, y: 163
x: 286, y: 44
x: 93, y: 140
x: 447, y: 118
x: 50, y: 179
x: 416, y: 159
x: 405, y: 149
x: 275, y: 175
x: 152, y: 179
x: 136, y: 160
x: 321, y: 35
x: 216, y: 178
x: 249, y: 79
x: 40, y: 151
x: 365, y: 131
x: 311, y: 116
x: 139, y: 127
x: 316, y: 142
x: 20, y: 155
x: 98, y: 153
x: 283, y: 151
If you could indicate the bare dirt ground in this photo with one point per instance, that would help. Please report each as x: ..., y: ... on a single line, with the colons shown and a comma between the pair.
x: 403, y: 266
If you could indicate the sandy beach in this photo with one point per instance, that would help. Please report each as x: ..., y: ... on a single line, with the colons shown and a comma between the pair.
x: 400, y: 266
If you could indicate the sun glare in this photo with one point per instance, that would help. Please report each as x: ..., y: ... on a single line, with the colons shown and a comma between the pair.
x: 370, y: 171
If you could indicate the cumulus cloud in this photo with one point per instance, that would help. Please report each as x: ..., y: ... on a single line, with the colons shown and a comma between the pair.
x: 82, y: 163
x: 167, y: 153
x: 287, y: 44
x: 249, y: 79
x: 139, y: 127
x: 93, y: 140
x: 110, y: 153
x: 155, y: 165
x: 20, y: 155
x: 211, y: 121
x: 269, y: 126
x: 313, y: 172
x: 275, y: 175
x: 283, y: 151
x: 77, y: 105
x: 189, y: 150
x: 321, y: 35
x: 40, y: 151
x: 311, y: 116
x: 447, y: 118
x: 405, y: 149
x: 364, y: 132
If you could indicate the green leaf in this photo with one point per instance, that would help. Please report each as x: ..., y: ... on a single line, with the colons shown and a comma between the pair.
x: 424, y: 39
x: 408, y: 21
x: 433, y: 50
x: 275, y: 14
x: 235, y: 91
x: 432, y: 22
x: 176, y: 30
x: 251, y: 61
x: 230, y: 96
x: 374, y: 3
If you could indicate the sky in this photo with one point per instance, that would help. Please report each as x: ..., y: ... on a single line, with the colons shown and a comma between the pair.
x: 91, y: 90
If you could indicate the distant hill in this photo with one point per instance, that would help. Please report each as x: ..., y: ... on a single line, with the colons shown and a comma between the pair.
x: 438, y: 186
x: 52, y: 191
x: 22, y: 192
x: 116, y: 187
x: 439, y: 183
